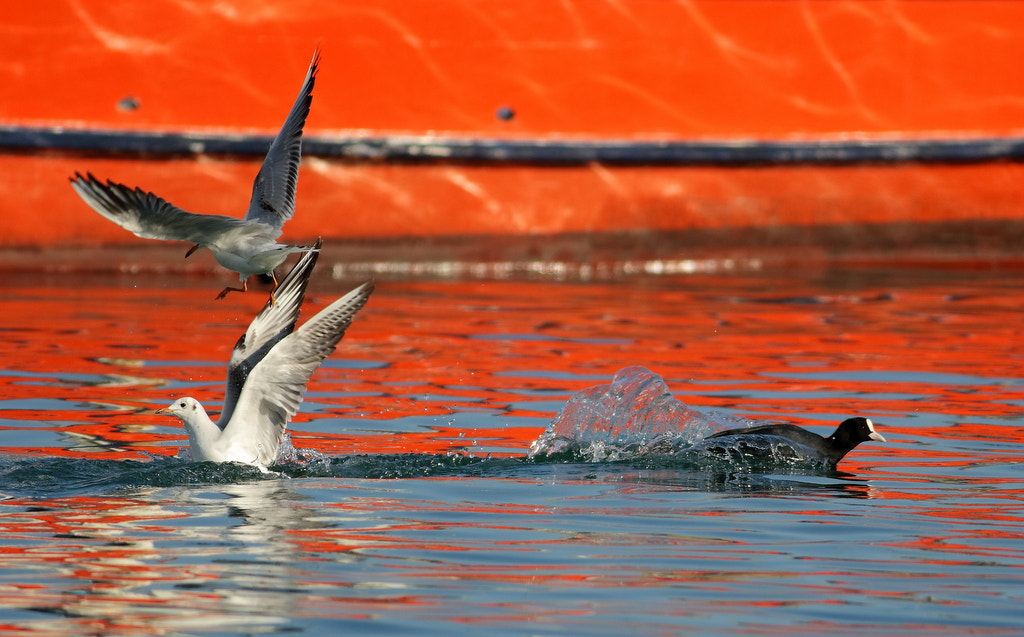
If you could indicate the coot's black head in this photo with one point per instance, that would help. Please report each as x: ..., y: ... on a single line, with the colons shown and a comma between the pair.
x: 853, y: 431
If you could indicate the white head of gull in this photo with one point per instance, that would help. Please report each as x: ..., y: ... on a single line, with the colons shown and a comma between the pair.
x: 247, y: 246
x: 267, y: 374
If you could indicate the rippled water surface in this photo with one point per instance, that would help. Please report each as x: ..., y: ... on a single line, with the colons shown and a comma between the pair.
x: 409, y: 505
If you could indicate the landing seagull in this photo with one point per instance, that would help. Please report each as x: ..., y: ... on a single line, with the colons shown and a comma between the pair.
x: 267, y: 374
x: 247, y: 246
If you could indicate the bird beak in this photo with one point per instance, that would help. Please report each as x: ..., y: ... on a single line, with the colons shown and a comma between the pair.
x: 163, y: 411
x: 877, y: 437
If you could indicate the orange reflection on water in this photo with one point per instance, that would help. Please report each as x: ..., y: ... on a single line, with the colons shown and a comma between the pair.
x: 435, y: 353
x: 112, y: 553
x: 480, y: 368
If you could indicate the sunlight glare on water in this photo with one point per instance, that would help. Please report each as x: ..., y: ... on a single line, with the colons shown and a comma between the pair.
x: 410, y: 504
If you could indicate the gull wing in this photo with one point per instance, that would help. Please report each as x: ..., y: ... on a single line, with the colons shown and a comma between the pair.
x: 273, y: 191
x: 148, y: 216
x: 275, y: 321
x: 276, y: 385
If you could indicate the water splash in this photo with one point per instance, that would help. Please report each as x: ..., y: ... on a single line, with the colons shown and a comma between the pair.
x: 308, y: 460
x: 635, y: 415
x: 636, y: 419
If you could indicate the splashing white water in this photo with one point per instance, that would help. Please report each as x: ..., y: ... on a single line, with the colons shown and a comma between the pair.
x: 632, y: 416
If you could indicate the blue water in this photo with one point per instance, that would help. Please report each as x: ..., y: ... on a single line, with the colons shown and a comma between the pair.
x: 411, y: 506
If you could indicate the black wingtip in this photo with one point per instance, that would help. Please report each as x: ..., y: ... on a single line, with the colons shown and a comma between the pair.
x: 314, y: 64
x: 370, y: 286
x: 79, y: 178
x: 90, y: 179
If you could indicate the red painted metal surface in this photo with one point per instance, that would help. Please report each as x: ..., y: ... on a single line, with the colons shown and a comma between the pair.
x: 762, y: 68
x: 758, y: 69
x: 343, y: 201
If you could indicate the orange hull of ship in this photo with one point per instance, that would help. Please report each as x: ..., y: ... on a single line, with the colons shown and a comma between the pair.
x: 632, y: 71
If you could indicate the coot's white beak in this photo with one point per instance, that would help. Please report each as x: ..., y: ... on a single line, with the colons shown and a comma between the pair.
x: 874, y: 435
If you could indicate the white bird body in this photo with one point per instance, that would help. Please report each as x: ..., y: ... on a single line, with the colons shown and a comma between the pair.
x: 247, y: 246
x: 239, y: 252
x: 267, y: 374
x: 206, y: 440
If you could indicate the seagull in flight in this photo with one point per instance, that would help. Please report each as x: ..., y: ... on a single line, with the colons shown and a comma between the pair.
x: 247, y: 246
x: 267, y: 374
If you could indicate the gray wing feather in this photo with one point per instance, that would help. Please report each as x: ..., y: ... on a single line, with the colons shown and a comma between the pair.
x: 275, y: 321
x: 273, y: 191
x: 147, y: 215
x: 276, y: 384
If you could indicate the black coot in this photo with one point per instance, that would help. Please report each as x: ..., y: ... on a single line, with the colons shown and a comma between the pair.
x: 850, y: 433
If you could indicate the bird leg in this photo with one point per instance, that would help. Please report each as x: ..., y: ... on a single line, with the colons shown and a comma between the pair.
x: 273, y: 277
x: 191, y: 250
x: 244, y: 288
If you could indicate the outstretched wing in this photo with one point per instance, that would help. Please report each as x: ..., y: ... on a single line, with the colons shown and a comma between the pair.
x: 273, y: 192
x: 147, y: 215
x: 275, y: 321
x: 276, y: 384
